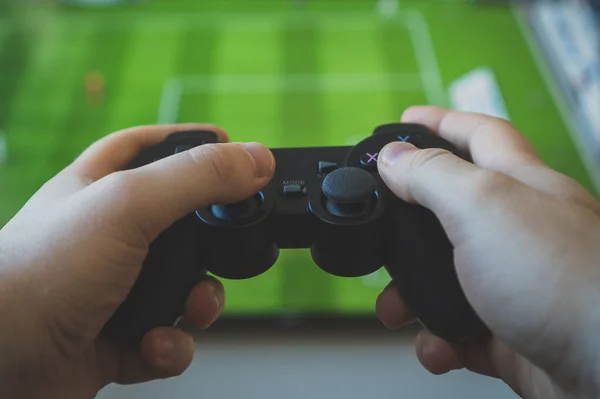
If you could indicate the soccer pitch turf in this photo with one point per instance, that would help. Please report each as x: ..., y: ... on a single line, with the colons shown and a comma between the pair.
x: 285, y: 73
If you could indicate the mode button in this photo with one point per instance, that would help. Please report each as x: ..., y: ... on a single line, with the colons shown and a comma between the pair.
x: 293, y: 190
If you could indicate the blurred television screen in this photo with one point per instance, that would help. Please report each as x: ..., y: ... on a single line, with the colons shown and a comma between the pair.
x: 290, y: 73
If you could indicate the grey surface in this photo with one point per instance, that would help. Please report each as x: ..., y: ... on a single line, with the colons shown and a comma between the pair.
x: 294, y: 366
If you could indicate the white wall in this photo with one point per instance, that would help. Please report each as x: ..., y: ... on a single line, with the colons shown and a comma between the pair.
x: 294, y: 366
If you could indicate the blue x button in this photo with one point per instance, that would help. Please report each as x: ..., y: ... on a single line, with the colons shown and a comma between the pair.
x: 403, y: 138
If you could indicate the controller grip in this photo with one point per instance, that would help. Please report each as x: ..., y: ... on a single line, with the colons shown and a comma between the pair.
x: 169, y: 273
x: 421, y: 265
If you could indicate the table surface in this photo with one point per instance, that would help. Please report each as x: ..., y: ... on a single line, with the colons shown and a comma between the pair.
x: 311, y: 365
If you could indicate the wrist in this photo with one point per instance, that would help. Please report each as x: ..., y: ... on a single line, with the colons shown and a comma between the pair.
x: 577, y: 370
x: 590, y: 318
x: 593, y: 345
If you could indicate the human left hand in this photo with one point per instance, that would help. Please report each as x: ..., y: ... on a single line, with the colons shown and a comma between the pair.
x: 69, y: 258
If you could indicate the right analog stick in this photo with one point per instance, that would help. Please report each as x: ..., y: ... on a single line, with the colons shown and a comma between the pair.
x: 349, y: 192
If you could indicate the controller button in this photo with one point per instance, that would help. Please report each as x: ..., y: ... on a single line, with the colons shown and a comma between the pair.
x: 404, y: 137
x: 200, y: 136
x: 182, y: 148
x: 327, y: 167
x: 399, y: 130
x: 238, y: 211
x: 368, y: 160
x: 293, y: 191
x: 349, y: 192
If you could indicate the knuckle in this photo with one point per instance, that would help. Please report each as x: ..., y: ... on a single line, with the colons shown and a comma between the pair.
x: 494, y: 127
x: 124, y: 184
x: 217, y: 159
x: 127, y: 205
x: 490, y: 123
x: 486, y: 185
x: 427, y: 157
x: 501, y: 124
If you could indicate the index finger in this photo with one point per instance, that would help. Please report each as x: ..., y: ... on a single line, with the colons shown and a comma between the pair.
x: 495, y: 144
x: 113, y: 153
x: 492, y: 143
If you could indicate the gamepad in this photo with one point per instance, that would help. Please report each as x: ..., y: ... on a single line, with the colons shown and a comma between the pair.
x: 328, y: 199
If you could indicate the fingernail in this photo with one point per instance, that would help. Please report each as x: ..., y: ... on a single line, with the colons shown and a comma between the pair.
x: 216, y: 293
x: 263, y: 158
x: 393, y: 151
x: 422, y: 344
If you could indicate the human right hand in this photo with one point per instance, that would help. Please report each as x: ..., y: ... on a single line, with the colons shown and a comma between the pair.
x: 527, y: 254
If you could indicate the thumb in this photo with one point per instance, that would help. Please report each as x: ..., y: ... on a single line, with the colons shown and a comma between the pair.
x: 437, y: 179
x: 153, y: 197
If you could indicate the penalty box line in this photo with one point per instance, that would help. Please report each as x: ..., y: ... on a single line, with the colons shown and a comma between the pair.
x: 177, y: 87
x: 429, y: 75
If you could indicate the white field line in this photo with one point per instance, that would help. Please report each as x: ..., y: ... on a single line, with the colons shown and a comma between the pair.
x: 300, y: 83
x: 170, y: 102
x: 387, y: 8
x: 426, y: 58
x: 254, y: 22
x: 176, y: 87
x: 428, y: 79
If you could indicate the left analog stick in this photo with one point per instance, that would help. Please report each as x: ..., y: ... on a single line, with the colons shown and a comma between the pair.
x: 254, y: 248
x: 239, y: 210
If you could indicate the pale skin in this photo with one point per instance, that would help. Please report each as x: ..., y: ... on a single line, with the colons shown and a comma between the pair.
x: 527, y: 254
x: 527, y: 250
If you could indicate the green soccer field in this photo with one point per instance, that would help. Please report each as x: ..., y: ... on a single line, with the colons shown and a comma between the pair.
x: 286, y: 73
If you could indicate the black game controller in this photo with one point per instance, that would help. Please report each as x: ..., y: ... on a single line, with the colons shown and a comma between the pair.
x: 328, y: 199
